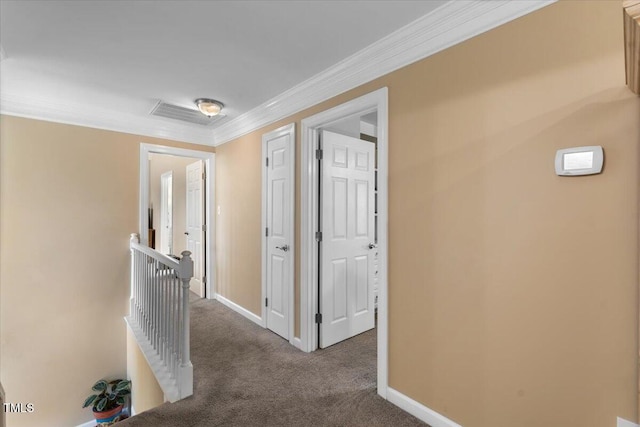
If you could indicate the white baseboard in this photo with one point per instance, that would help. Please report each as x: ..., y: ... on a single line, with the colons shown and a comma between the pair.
x: 235, y: 307
x: 296, y: 342
x: 625, y: 423
x: 418, y: 410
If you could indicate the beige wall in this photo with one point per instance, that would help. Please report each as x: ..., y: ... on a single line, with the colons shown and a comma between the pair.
x: 159, y: 164
x: 238, y: 269
x: 513, y: 293
x: 68, y: 201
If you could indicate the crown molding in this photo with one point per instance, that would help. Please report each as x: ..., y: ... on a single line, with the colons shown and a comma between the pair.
x: 81, y: 115
x: 450, y: 24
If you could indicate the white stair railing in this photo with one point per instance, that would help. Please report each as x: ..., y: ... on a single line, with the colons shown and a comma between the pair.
x: 159, y: 316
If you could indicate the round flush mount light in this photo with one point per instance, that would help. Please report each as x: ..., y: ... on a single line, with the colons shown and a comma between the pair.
x: 209, y: 107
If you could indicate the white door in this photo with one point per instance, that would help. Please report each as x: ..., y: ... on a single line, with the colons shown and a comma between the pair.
x: 195, y: 224
x: 166, y: 213
x: 347, y: 245
x: 279, y: 236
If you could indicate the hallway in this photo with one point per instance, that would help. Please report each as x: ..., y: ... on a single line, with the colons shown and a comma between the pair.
x: 248, y: 376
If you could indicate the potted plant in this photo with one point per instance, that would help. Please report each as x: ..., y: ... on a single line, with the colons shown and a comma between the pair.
x: 108, y: 400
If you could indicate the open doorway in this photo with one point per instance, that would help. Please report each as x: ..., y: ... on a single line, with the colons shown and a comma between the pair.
x: 176, y: 193
x: 344, y: 226
x: 347, y: 245
x: 176, y: 206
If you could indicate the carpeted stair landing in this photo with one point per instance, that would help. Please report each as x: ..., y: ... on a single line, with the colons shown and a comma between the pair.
x: 245, y: 375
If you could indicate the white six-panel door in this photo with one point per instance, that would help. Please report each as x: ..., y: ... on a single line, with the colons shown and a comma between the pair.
x: 347, y: 247
x: 279, y: 239
x: 194, y: 233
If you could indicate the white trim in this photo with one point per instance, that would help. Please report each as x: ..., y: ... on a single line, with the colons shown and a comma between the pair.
x: 241, y: 310
x: 368, y: 129
x: 625, y: 423
x: 418, y: 410
x: 290, y: 130
x: 168, y: 384
x: 143, y: 219
x: 448, y: 25
x: 296, y: 343
x: 78, y: 114
x: 309, y: 176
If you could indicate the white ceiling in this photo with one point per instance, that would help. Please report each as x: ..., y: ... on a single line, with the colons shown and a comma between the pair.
x: 116, y: 59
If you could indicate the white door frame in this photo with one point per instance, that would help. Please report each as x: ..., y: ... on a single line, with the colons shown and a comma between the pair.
x: 309, y: 178
x: 290, y: 130
x: 209, y: 167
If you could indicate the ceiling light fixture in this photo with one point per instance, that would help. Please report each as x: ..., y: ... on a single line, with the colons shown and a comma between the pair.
x: 209, y: 107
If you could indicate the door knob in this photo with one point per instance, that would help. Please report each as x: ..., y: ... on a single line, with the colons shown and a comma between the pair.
x: 284, y: 248
x: 372, y: 245
x: 186, y: 232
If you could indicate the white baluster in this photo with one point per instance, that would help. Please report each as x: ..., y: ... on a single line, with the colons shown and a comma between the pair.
x: 165, y: 316
x: 178, y: 322
x: 171, y: 323
x: 147, y: 296
x: 176, y: 325
x: 163, y: 320
x: 155, y: 303
x: 154, y: 278
x: 143, y: 292
x: 140, y: 284
x: 139, y: 300
x: 145, y: 282
x: 159, y: 306
x: 136, y: 256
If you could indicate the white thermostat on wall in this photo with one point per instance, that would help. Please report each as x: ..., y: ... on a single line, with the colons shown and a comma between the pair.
x: 579, y: 161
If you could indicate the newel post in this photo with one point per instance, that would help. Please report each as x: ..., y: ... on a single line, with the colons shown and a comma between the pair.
x: 185, y: 274
x: 186, y: 368
x: 135, y: 238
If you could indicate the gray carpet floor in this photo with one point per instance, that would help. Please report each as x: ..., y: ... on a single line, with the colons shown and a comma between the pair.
x: 245, y: 375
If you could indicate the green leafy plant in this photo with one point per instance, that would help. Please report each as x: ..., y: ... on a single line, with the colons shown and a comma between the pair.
x: 109, y: 395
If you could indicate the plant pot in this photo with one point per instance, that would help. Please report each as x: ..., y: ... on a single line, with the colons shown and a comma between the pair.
x: 107, y: 416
